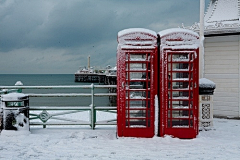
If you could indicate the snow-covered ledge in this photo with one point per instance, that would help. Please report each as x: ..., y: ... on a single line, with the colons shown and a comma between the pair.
x: 206, y: 86
x: 206, y: 83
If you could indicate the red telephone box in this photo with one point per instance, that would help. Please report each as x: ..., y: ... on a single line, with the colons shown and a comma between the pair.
x: 179, y: 83
x: 136, y: 64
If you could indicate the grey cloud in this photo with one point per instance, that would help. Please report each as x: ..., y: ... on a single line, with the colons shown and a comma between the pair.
x: 85, y: 27
x: 74, y: 23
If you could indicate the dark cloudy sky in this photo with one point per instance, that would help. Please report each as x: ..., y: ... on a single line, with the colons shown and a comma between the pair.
x: 56, y: 36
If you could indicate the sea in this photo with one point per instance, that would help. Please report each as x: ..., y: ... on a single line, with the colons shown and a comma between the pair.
x: 54, y: 80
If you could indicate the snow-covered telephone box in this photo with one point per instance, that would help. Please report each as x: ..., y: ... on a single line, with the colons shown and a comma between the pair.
x: 136, y: 68
x: 178, y: 83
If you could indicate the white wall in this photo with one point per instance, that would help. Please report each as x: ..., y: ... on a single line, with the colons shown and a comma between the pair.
x: 222, y: 67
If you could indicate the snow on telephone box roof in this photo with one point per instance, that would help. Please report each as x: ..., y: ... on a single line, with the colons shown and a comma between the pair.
x: 178, y: 38
x: 137, y: 38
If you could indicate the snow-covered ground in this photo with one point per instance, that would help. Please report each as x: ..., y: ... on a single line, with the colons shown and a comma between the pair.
x: 221, y: 143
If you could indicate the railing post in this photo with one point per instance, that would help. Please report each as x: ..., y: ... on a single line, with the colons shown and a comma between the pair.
x: 93, y: 112
x: 19, y: 83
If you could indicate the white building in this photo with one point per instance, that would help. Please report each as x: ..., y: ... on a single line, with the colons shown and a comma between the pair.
x: 222, y: 55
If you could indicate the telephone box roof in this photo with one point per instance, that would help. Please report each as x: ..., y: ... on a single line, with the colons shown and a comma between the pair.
x: 178, y: 38
x: 137, y: 37
x: 136, y: 30
x: 177, y: 30
x: 222, y: 16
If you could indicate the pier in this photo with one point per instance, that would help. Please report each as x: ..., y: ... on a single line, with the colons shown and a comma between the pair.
x: 105, y: 76
x: 90, y: 77
x: 96, y: 78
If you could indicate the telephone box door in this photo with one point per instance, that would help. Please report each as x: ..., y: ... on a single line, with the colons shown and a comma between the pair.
x: 179, y: 100
x: 136, y: 85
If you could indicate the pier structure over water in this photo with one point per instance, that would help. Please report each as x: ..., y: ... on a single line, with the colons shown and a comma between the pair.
x: 90, y: 77
x: 96, y: 78
x: 100, y: 78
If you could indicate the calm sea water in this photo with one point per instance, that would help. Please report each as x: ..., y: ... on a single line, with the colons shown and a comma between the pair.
x: 50, y: 80
x: 37, y: 79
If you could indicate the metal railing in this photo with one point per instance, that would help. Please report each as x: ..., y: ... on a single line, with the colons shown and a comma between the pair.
x: 44, y: 117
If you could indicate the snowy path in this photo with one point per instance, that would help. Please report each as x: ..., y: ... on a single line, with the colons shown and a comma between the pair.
x: 221, y: 143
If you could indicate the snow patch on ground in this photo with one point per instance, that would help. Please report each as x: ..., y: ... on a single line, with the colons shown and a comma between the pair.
x: 222, y: 142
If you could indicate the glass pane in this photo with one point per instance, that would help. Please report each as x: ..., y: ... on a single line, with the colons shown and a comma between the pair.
x: 169, y: 67
x: 180, y: 114
x: 191, y: 123
x: 183, y: 57
x: 136, y: 94
x: 136, y: 75
x: 179, y: 85
x: 136, y: 113
x: 137, y: 57
x: 180, y: 76
x: 178, y: 123
x: 180, y: 94
x: 181, y: 104
x: 136, y: 66
x: 15, y: 104
x: 137, y: 80
x: 191, y: 56
x: 134, y: 85
x: 180, y: 67
x: 136, y: 104
x: 191, y: 76
x: 137, y: 123
x: 191, y: 67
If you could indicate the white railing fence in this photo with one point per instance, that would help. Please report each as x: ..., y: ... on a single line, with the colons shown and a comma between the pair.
x: 69, y: 114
